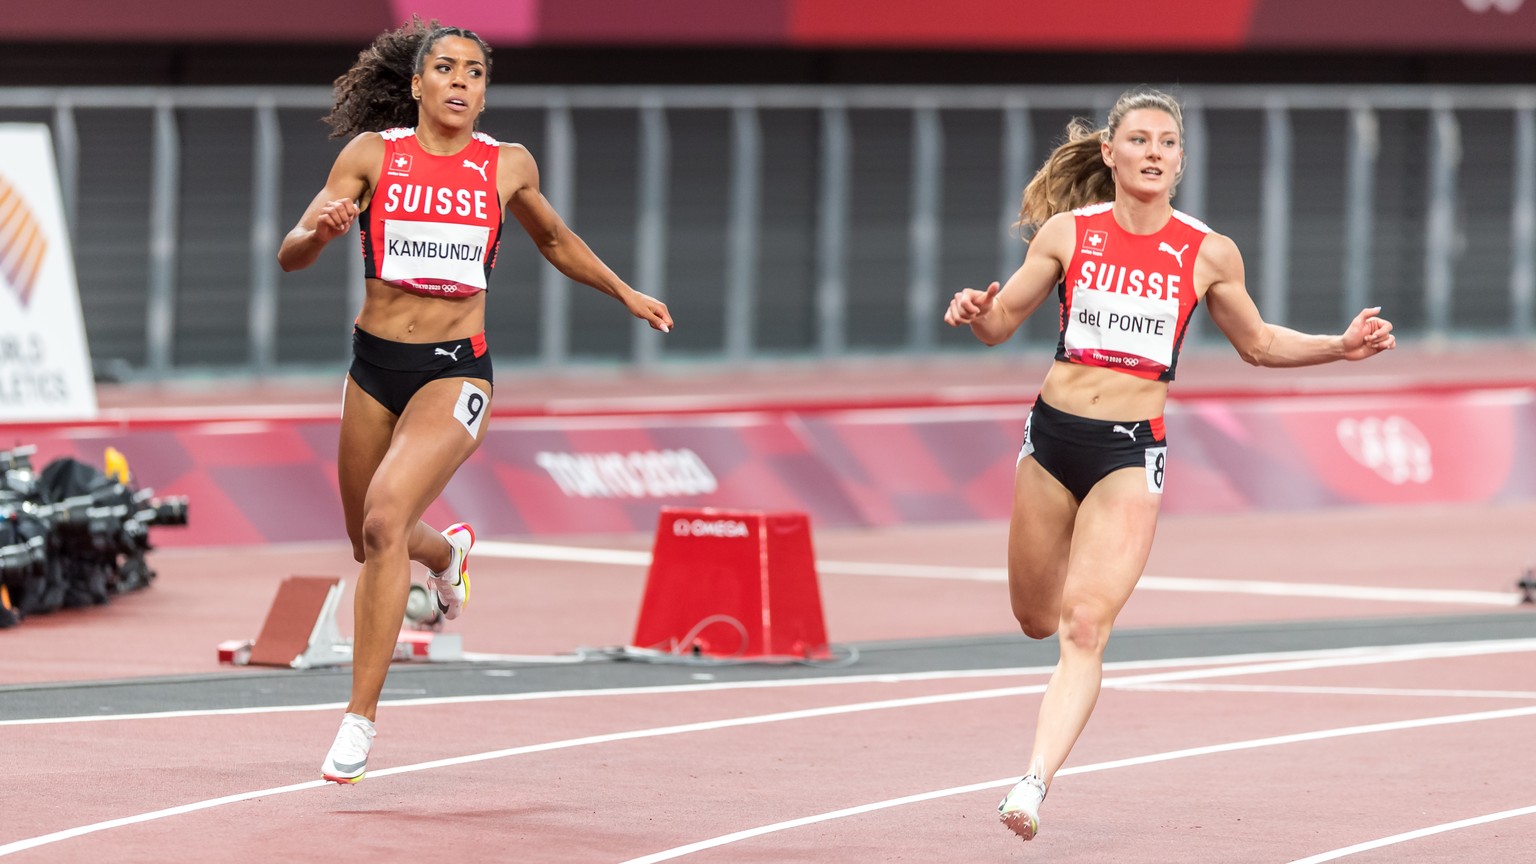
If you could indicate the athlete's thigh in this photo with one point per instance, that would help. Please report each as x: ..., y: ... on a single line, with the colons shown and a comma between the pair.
x: 1039, y: 539
x: 1111, y: 541
x: 366, y: 429
x: 441, y: 426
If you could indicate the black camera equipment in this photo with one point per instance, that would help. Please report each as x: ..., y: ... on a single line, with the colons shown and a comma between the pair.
x: 72, y: 535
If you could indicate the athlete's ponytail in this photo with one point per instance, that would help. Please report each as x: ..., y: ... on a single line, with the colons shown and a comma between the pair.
x: 1074, y: 175
x: 375, y: 94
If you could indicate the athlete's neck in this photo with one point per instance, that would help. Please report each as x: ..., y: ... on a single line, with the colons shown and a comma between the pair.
x: 440, y: 144
x: 1142, y: 217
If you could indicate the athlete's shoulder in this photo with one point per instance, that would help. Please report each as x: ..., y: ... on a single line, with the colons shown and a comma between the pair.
x: 1221, y: 252
x: 1192, y: 222
x: 1062, y: 225
x: 515, y: 155
x: 363, y: 151
x: 1094, y: 209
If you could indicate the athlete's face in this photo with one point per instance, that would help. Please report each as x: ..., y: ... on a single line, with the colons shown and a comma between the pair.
x: 1146, y: 153
x: 450, y: 89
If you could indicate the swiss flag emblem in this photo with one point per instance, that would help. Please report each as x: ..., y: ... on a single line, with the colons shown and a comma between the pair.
x: 400, y: 164
x: 1095, y: 241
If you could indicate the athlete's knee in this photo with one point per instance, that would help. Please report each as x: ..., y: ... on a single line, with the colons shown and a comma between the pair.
x: 1035, y: 624
x: 1085, y: 626
x: 355, y: 537
x: 381, y: 529
x: 1038, y: 620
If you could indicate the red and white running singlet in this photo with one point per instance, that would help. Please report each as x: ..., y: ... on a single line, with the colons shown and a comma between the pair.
x: 433, y: 225
x: 1126, y: 298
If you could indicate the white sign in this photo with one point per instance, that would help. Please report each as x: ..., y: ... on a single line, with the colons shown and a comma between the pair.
x: 1392, y: 447
x: 45, y: 369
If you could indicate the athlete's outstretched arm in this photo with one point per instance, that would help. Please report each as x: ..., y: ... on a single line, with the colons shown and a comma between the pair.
x: 994, y: 314
x: 1264, y: 344
x: 331, y: 213
x: 519, y: 179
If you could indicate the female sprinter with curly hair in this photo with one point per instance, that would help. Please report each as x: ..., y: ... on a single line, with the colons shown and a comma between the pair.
x: 1129, y: 270
x: 430, y: 192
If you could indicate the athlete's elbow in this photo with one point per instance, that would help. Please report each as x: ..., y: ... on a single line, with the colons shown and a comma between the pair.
x: 549, y: 240
x: 1255, y: 352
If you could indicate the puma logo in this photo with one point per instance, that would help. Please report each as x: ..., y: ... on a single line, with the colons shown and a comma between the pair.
x: 1178, y: 254
x: 479, y: 168
x: 1131, y: 432
x: 453, y: 354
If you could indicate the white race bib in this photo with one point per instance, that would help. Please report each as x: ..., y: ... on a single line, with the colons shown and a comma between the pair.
x: 441, y: 253
x: 1138, y: 330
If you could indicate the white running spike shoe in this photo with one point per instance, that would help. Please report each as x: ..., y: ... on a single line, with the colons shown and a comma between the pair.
x: 1020, y: 809
x: 348, y: 760
x: 451, y: 587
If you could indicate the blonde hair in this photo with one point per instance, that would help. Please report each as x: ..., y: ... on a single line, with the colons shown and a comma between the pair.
x: 1074, y: 175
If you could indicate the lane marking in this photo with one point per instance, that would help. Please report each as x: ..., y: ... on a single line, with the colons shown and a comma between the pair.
x: 1135, y: 761
x: 1354, y: 658
x: 1415, y: 835
x: 1334, y: 691
x: 1277, y: 661
x: 637, y: 558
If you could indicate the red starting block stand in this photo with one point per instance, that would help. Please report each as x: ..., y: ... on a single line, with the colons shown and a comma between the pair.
x: 732, y: 584
x: 300, y: 632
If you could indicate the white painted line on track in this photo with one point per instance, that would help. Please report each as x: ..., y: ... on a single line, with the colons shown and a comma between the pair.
x: 1350, y: 657
x: 546, y: 552
x: 707, y: 726
x: 1169, y: 756
x: 1330, y: 591
x: 1196, y: 667
x: 179, y: 810
x: 1415, y: 835
x: 1333, y: 691
x: 1263, y: 588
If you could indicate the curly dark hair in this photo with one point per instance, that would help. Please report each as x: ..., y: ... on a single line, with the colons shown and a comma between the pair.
x: 375, y: 93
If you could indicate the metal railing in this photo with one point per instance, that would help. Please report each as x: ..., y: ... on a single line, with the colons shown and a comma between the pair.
x: 1453, y: 192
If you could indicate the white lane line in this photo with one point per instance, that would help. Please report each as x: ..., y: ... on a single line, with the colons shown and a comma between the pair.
x: 1252, y: 744
x: 1336, y: 592
x: 546, y: 552
x: 636, y: 558
x: 1415, y: 835
x: 1334, y: 691
x: 82, y: 830
x: 373, y: 776
x: 1387, y: 656
x: 1239, y: 664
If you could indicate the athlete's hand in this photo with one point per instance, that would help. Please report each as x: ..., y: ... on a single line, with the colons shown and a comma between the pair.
x: 1368, y: 335
x: 334, y: 219
x: 649, y: 309
x: 969, y: 304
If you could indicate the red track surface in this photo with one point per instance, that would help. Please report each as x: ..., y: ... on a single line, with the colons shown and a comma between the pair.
x: 640, y: 792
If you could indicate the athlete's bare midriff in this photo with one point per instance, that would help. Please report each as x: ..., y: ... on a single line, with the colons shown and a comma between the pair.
x: 400, y: 316
x: 1099, y: 393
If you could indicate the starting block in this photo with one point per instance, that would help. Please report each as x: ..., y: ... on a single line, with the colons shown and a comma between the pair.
x: 300, y: 632
x: 734, y: 584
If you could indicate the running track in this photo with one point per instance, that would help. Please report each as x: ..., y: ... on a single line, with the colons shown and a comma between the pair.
x: 1283, y: 687
x: 1279, y: 718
